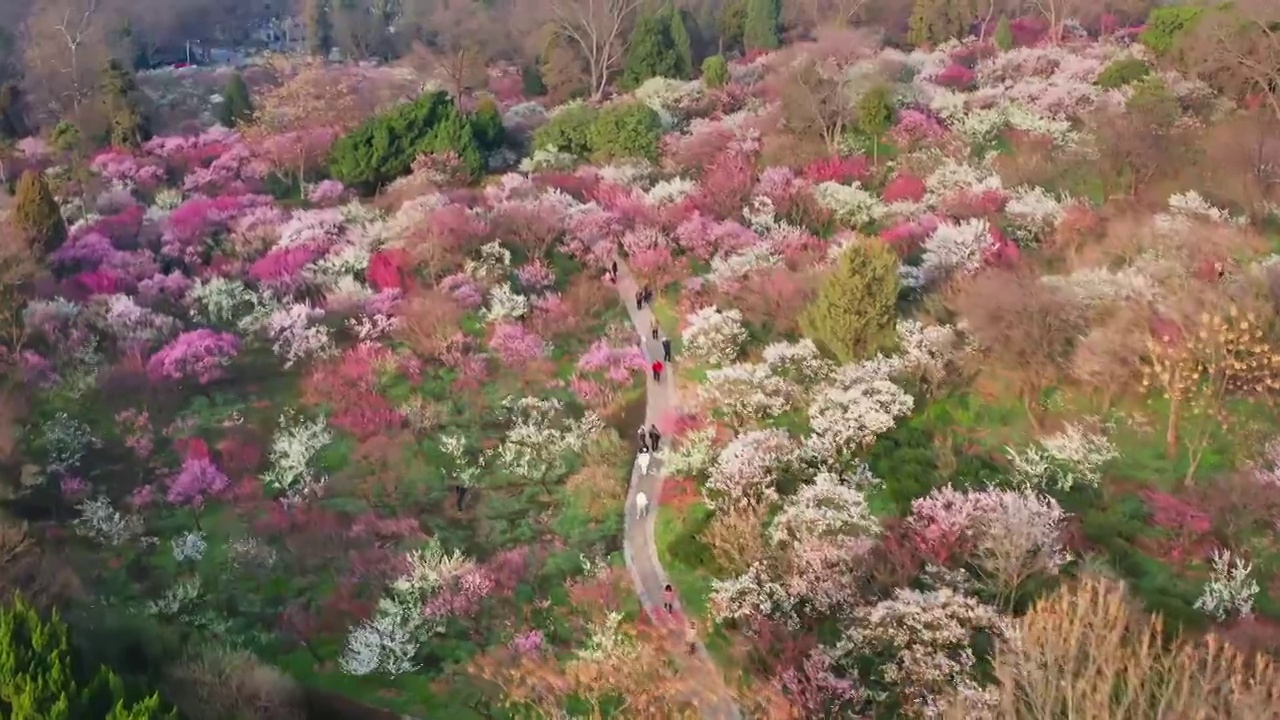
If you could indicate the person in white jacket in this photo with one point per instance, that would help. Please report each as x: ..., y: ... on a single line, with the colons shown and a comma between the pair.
x: 643, y: 458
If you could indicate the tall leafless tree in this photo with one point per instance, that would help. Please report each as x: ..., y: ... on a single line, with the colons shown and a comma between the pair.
x: 597, y: 27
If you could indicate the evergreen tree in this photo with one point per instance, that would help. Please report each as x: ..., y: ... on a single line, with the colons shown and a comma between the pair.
x: 874, y: 114
x: 681, y: 42
x: 36, y: 213
x: 730, y: 24
x: 715, y: 72
x: 1004, y: 34
x: 38, y: 668
x: 531, y: 79
x: 854, y: 314
x: 933, y: 22
x: 236, y: 106
x: 315, y: 14
x: 12, y: 123
x: 454, y: 134
x: 760, y: 28
x: 486, y: 125
x: 650, y: 52
x: 129, y: 126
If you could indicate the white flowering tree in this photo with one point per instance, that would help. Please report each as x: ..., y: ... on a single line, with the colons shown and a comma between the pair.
x: 800, y: 364
x: 505, y: 304
x: 1075, y: 456
x: 389, y: 641
x: 713, y: 336
x: 541, y: 438
x: 694, y: 455
x: 293, y: 450
x: 747, y: 468
x: 1231, y: 588
x: 745, y: 392
x: 845, y: 419
x: 297, y: 334
x: 924, y: 644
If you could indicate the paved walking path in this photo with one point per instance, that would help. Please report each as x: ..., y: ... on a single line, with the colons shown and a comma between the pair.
x: 638, y: 545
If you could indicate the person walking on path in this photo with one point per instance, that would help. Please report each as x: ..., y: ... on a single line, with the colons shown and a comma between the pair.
x: 639, y: 300
x: 613, y: 271
x: 643, y: 435
x: 654, y: 437
x: 669, y: 599
x: 647, y: 295
x: 691, y: 637
x: 657, y: 370
x: 653, y: 330
x: 642, y: 459
x: 666, y: 349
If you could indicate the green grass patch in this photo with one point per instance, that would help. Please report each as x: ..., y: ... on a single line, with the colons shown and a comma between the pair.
x: 692, y: 583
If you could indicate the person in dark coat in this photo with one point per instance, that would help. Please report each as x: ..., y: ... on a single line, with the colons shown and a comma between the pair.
x: 654, y: 331
x: 647, y: 294
x: 613, y: 270
x: 666, y: 349
x: 639, y: 299
x: 654, y: 437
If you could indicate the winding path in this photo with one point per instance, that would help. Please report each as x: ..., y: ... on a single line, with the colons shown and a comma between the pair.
x: 639, y: 548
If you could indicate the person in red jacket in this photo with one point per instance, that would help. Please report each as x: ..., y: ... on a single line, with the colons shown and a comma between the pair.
x: 657, y: 370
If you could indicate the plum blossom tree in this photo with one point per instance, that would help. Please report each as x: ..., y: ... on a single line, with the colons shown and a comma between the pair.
x: 925, y: 642
x: 514, y: 344
x: 745, y: 392
x: 541, y: 438
x: 293, y: 450
x: 201, y: 355
x: 747, y: 467
x: 713, y: 336
x: 849, y: 413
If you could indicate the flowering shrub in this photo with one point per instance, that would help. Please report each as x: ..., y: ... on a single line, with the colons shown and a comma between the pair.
x: 296, y: 442
x: 745, y: 391
x: 202, y: 355
x: 1063, y: 460
x: 1230, y: 590
x: 713, y: 336
x: 847, y: 169
x: 904, y: 187
x: 846, y: 417
x: 746, y: 469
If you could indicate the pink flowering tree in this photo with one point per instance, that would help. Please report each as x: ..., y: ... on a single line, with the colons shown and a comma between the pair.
x: 200, y: 355
x: 196, y: 482
x: 515, y: 345
x: 603, y: 370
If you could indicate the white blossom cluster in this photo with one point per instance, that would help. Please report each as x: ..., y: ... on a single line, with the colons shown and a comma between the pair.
x: 1097, y: 287
x: 189, y: 546
x: 667, y: 192
x: 693, y: 455
x: 750, y: 595
x: 747, y: 467
x: 101, y: 522
x: 732, y: 267
x: 505, y: 303
x: 133, y: 324
x: 627, y: 174
x: 951, y: 248
x: 852, y: 204
x: 372, y: 327
x: 923, y: 640
x: 494, y: 262
x: 1063, y: 460
x: 846, y: 418
x: 950, y: 177
x: 799, y: 363
x: 389, y: 641
x: 221, y: 301
x: 928, y: 350
x: 1032, y: 212
x: 462, y: 471
x: 745, y: 392
x: 294, y: 447
x: 65, y: 441
x: 296, y: 334
x: 761, y: 216
x: 541, y: 438
x: 713, y: 336
x: 178, y: 600
x: 548, y: 158
x: 826, y: 507
x: 1184, y: 208
x: 1230, y: 590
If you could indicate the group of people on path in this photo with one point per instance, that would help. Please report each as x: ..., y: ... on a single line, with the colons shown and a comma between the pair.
x: 669, y: 606
x: 644, y: 296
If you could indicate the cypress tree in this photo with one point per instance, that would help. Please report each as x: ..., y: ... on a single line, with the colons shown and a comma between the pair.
x: 650, y: 52
x: 760, y: 29
x: 730, y: 24
x: 486, y: 124
x: 531, y: 79
x: 1004, y: 34
x: 681, y: 43
x: 129, y: 126
x: 874, y: 114
x: 12, y: 123
x: 237, y: 107
x: 454, y: 134
x: 315, y: 14
x: 36, y: 213
x: 854, y: 314
x: 715, y: 72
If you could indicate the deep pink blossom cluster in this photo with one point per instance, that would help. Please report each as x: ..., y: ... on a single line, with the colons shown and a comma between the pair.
x: 915, y: 127
x: 843, y: 170
x: 536, y: 276
x: 201, y: 355
x: 123, y: 167
x: 198, y: 481
x: 192, y: 224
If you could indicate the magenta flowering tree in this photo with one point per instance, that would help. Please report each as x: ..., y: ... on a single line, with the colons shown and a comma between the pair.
x: 190, y: 226
x: 123, y: 167
x: 201, y: 355
x: 281, y: 269
x: 326, y: 192
x: 464, y: 290
x: 915, y: 128
x: 515, y: 345
x: 603, y: 370
x: 197, y: 482
x: 649, y: 254
x: 536, y: 277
